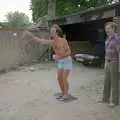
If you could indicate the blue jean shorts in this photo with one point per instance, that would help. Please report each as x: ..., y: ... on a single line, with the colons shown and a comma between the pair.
x: 65, y: 63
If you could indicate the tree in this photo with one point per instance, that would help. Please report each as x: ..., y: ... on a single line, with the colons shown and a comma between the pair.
x: 17, y: 20
x: 65, y: 7
x: 39, y: 8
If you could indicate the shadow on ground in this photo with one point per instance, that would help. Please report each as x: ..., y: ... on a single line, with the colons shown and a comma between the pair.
x: 71, y: 98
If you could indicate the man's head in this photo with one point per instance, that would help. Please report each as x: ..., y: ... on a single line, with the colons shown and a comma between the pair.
x: 110, y: 28
x: 56, y: 31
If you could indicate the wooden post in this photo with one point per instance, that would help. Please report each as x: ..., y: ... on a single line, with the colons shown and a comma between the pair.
x: 51, y: 15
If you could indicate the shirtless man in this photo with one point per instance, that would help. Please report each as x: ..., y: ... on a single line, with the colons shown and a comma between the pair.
x: 62, y: 57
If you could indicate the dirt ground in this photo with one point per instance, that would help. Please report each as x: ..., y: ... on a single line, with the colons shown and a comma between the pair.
x: 28, y: 94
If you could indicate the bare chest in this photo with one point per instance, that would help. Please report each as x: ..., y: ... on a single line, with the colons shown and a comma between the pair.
x: 58, y: 45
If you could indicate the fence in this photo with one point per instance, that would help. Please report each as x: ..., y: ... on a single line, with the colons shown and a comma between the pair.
x: 15, y: 51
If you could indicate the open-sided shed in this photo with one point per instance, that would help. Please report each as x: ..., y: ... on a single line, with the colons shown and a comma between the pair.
x: 85, y: 29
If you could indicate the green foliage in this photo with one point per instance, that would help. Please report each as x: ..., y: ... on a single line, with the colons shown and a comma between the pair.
x: 17, y: 20
x: 64, y: 7
x: 39, y: 8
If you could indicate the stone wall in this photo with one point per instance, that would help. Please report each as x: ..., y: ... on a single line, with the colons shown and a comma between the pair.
x: 15, y: 51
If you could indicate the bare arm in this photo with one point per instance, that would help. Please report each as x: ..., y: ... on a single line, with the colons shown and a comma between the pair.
x: 66, y: 50
x: 32, y: 37
x: 43, y: 41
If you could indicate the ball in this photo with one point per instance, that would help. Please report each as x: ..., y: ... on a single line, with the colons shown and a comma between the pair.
x: 15, y: 34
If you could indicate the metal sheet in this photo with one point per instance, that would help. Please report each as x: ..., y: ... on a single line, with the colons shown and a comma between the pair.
x: 109, y: 13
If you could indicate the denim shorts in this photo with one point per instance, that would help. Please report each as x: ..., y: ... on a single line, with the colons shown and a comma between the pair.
x: 65, y: 63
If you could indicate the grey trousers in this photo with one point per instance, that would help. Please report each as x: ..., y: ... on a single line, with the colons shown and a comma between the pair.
x: 111, y: 82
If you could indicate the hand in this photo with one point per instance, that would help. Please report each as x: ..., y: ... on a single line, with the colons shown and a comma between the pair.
x: 53, y: 57
x: 27, y: 35
x: 105, y: 65
x: 56, y: 57
x: 119, y: 66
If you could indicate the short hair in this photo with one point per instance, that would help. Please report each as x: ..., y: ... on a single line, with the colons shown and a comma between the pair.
x: 58, y: 30
x: 113, y: 25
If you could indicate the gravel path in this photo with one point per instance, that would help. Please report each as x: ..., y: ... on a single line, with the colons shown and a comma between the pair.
x: 28, y: 94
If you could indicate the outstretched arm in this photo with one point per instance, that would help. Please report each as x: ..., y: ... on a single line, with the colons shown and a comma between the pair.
x: 28, y: 35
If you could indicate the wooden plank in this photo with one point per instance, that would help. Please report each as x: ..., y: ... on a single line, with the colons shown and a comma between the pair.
x: 109, y: 13
x: 78, y: 46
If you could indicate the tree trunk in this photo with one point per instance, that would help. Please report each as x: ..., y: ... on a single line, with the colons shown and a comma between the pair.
x: 51, y: 8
